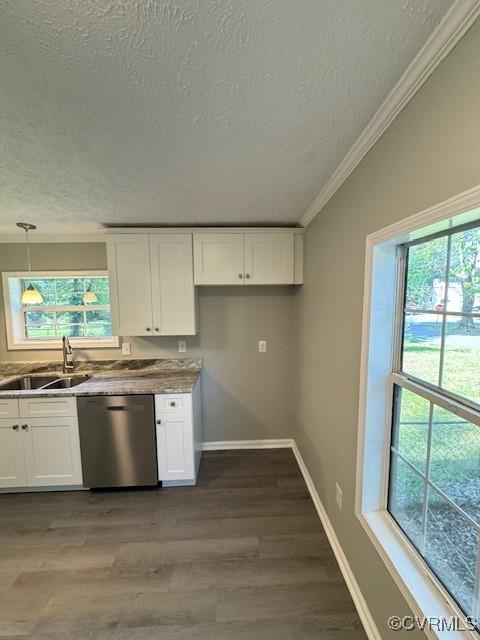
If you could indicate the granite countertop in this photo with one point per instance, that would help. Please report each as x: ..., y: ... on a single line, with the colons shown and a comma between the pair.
x: 109, y: 377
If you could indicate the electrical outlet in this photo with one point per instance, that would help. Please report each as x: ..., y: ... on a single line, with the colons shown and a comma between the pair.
x: 182, y: 346
x: 338, y: 496
x: 126, y: 348
x: 262, y: 346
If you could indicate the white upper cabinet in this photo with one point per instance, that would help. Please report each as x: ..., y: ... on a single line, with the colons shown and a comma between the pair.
x: 153, y: 275
x: 269, y: 258
x: 218, y: 258
x: 151, y: 284
x: 254, y: 258
x: 130, y: 284
x: 173, y: 293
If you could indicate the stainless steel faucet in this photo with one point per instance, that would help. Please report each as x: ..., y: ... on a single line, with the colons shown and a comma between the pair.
x: 68, y: 364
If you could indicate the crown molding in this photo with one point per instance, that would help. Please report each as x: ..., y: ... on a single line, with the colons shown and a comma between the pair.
x: 459, y: 18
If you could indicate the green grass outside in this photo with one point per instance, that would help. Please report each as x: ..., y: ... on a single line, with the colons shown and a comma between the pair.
x: 455, y: 453
x: 100, y: 330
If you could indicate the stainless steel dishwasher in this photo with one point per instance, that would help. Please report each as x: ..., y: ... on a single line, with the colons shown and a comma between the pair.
x: 117, y: 441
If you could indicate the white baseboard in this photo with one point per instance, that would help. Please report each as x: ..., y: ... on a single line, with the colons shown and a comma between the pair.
x: 179, y: 483
x: 363, y: 611
x: 219, y: 445
x: 360, y: 604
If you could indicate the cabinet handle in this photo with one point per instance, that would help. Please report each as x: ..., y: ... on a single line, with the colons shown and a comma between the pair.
x: 15, y: 427
x: 248, y: 275
x: 25, y: 427
x: 148, y: 328
x: 240, y: 275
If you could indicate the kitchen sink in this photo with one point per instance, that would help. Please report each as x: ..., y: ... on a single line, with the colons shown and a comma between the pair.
x: 26, y: 383
x: 67, y: 382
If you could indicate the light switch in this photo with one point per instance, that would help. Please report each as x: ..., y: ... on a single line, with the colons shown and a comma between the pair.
x: 182, y: 346
x: 262, y: 346
x: 126, y: 348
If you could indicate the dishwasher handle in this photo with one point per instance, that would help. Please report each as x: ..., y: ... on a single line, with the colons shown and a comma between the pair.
x: 125, y: 407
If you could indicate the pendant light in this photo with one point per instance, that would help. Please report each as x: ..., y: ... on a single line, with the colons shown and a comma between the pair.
x: 30, y: 295
x: 89, y: 296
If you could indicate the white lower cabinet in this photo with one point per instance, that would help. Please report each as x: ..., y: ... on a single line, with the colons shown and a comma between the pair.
x: 52, y: 452
x: 179, y: 437
x: 40, y: 452
x: 12, y: 459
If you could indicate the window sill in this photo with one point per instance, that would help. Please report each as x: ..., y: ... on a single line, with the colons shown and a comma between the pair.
x: 425, y: 596
x: 81, y: 343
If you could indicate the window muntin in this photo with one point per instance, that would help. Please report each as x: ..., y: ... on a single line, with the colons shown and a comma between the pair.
x: 63, y: 310
x: 434, y: 479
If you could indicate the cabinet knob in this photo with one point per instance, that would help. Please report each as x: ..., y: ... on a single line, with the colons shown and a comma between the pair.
x: 25, y: 427
x: 173, y: 404
x: 15, y: 427
x: 248, y: 275
x: 157, y: 329
x: 148, y: 328
x: 240, y: 275
x: 159, y: 421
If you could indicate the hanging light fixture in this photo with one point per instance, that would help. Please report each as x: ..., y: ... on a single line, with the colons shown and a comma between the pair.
x: 89, y: 296
x: 30, y: 295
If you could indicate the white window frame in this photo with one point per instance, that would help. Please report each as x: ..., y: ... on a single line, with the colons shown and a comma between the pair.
x: 424, y: 593
x: 14, y: 320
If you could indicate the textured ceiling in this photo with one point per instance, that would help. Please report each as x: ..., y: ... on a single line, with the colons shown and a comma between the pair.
x: 206, y: 111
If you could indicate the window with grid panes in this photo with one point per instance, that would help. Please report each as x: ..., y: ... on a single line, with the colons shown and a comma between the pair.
x: 434, y: 483
x: 73, y: 304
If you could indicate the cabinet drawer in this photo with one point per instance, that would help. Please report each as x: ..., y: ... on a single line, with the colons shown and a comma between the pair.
x: 178, y: 403
x: 48, y: 407
x: 9, y: 408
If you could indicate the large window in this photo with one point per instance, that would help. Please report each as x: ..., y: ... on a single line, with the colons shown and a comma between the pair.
x: 434, y: 485
x: 73, y: 304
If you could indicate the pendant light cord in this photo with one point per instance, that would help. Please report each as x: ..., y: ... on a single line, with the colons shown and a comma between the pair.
x: 28, y: 252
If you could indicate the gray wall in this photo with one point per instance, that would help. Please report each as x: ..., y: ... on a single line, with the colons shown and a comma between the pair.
x: 246, y: 395
x: 431, y: 152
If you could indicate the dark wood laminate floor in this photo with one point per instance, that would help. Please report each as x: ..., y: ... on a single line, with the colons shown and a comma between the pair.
x: 241, y: 556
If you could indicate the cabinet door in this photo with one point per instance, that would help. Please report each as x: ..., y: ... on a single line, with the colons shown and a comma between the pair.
x: 175, y: 447
x: 269, y: 258
x: 52, y: 451
x: 12, y: 461
x: 173, y: 293
x: 218, y: 258
x: 130, y: 284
